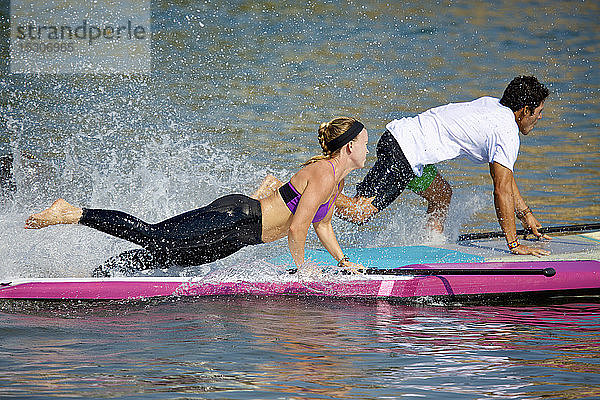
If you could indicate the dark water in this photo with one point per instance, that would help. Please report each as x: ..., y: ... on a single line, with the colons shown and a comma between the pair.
x: 237, y: 90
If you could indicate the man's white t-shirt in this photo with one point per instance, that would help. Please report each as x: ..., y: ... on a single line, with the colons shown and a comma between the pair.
x: 482, y: 130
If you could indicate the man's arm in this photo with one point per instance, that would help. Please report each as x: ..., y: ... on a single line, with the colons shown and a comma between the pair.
x: 504, y: 201
x: 524, y: 213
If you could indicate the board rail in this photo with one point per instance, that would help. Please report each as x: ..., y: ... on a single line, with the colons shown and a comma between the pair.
x: 569, y: 276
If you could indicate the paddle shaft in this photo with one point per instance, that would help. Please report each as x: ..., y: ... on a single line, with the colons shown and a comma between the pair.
x: 548, y: 229
x: 548, y: 272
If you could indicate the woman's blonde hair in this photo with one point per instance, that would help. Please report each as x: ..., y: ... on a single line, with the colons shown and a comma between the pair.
x: 329, y: 131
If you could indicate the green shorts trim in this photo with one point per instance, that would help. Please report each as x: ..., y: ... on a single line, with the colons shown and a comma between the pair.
x: 419, y: 184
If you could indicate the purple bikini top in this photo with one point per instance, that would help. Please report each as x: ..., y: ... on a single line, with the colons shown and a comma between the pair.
x: 291, y: 197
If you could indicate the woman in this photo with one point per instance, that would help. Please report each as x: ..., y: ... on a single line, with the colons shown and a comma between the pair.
x: 232, y: 222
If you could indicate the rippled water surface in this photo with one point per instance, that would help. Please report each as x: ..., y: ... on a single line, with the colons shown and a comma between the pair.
x: 237, y: 90
x: 296, y: 348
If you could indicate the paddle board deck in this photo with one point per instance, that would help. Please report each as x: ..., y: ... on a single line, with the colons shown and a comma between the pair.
x: 575, y: 260
x: 565, y: 247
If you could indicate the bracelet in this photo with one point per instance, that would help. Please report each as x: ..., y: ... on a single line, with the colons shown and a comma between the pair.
x: 343, y: 260
x: 513, y: 245
x: 522, y: 214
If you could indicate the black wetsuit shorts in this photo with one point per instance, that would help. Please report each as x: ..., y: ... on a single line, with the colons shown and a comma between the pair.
x: 193, y: 238
x: 389, y: 176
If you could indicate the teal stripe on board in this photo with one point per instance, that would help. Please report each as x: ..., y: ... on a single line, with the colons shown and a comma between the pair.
x: 388, y: 257
x: 590, y: 238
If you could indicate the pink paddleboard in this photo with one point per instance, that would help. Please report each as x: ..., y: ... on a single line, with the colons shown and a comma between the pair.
x: 572, y: 277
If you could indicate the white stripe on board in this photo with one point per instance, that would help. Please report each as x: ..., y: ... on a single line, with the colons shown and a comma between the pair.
x: 385, y: 289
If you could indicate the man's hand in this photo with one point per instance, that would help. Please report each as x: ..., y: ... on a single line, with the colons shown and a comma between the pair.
x: 530, y: 222
x: 521, y: 249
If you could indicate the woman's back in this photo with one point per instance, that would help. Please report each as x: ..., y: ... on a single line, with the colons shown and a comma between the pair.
x: 277, y: 217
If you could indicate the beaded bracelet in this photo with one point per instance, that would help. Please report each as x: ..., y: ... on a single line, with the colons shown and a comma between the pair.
x: 513, y: 245
x: 343, y: 260
x: 522, y: 214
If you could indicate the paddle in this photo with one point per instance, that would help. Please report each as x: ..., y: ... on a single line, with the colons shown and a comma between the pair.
x: 548, y: 272
x: 548, y: 229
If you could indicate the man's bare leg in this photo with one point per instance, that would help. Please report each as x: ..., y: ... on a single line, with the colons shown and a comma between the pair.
x: 357, y: 210
x: 267, y: 187
x: 438, y: 196
x: 60, y: 212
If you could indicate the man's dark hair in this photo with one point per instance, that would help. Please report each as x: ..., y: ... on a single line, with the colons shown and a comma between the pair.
x: 524, y: 91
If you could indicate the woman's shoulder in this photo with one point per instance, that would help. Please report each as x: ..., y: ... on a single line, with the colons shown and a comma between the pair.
x: 320, y: 171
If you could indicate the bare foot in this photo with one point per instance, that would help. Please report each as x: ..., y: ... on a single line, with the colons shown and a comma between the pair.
x: 268, y: 186
x: 60, y: 212
x: 357, y: 210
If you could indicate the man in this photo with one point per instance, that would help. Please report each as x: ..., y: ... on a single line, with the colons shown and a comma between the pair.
x: 485, y: 130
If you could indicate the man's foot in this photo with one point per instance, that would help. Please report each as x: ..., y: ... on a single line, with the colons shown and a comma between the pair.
x: 357, y: 210
x: 60, y: 212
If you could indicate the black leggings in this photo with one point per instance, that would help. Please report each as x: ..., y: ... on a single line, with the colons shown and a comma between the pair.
x: 193, y: 238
